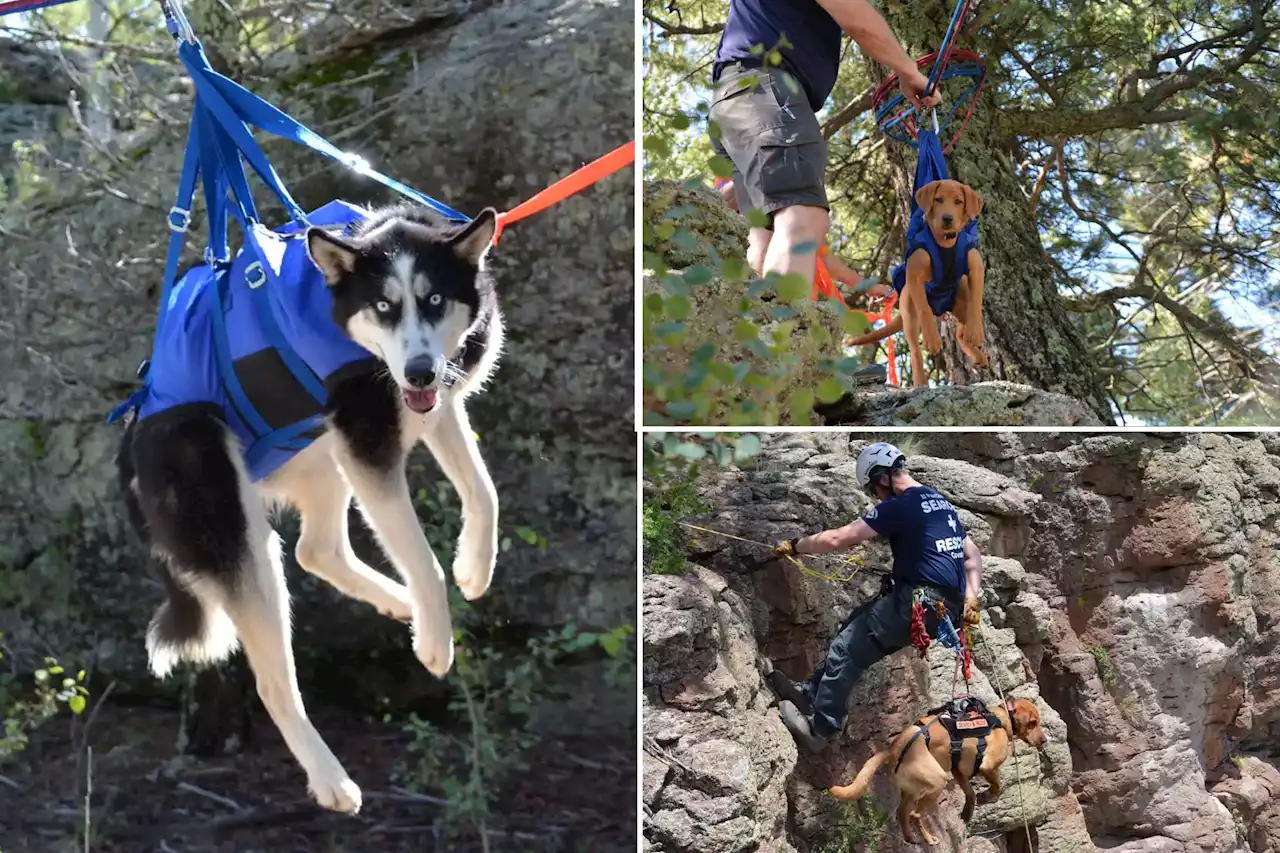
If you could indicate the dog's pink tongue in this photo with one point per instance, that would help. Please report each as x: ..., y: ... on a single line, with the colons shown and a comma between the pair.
x: 420, y: 401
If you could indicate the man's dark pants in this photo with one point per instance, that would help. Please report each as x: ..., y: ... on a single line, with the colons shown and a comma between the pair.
x: 767, y: 129
x: 873, y: 631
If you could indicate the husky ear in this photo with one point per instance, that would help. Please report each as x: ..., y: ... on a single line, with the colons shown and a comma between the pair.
x: 472, y: 242
x: 927, y: 193
x: 334, y: 256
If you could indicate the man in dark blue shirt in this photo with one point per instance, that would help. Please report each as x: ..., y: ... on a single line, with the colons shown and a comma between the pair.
x: 932, y: 555
x: 776, y: 64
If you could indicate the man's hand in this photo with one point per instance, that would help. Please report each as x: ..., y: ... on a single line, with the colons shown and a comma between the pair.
x: 972, y: 616
x: 787, y: 547
x: 913, y: 83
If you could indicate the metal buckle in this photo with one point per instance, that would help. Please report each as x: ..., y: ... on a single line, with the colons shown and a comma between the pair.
x: 255, y: 276
x: 143, y: 368
x: 179, y: 219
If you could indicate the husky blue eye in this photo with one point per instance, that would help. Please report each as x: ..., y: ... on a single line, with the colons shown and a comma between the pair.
x: 435, y: 299
x: 382, y: 306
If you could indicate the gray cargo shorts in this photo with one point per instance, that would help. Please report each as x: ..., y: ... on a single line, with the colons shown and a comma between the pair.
x: 771, y: 135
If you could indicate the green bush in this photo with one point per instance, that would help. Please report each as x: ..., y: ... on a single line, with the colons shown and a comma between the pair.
x: 26, y: 705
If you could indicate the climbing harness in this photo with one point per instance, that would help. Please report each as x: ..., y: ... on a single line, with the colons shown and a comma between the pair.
x: 965, y: 718
x: 836, y: 577
x: 265, y: 289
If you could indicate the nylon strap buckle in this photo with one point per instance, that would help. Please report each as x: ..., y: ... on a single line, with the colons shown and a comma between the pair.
x: 179, y: 219
x: 255, y: 276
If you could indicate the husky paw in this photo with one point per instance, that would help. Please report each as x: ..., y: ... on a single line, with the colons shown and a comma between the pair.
x: 473, y: 566
x: 335, y: 792
x: 433, y: 643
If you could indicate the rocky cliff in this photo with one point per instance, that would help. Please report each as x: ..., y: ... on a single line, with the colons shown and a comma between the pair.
x: 482, y: 103
x: 1130, y: 591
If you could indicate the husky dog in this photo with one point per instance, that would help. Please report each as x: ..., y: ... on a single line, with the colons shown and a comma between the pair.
x: 415, y: 294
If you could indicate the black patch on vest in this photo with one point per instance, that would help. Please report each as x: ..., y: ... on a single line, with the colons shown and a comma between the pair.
x: 277, y: 395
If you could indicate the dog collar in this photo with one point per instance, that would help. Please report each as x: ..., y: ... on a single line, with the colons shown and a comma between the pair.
x: 1008, y: 705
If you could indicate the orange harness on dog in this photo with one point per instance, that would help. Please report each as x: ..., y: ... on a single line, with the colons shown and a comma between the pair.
x: 964, y: 718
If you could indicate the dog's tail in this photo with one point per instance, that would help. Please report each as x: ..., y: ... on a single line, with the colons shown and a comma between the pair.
x: 892, y: 327
x: 189, y: 626
x: 856, y: 789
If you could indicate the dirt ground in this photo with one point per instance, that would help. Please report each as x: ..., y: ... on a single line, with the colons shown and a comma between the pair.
x: 144, y: 800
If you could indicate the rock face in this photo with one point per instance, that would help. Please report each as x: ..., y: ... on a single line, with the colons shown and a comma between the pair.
x: 691, y: 226
x: 485, y: 105
x: 1130, y: 588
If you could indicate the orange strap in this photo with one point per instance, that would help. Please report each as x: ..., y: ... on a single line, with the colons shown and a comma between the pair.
x: 823, y: 284
x: 568, y: 185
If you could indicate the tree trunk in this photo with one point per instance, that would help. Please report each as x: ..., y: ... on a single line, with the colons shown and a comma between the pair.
x: 1029, y: 337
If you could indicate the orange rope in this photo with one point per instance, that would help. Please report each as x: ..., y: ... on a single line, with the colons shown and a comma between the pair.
x: 823, y: 285
x: 568, y: 185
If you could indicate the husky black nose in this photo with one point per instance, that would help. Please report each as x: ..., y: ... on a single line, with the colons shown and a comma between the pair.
x: 421, y: 371
x: 947, y: 219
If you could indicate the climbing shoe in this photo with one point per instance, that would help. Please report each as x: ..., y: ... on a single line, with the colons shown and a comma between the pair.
x: 801, y: 727
x: 789, y: 690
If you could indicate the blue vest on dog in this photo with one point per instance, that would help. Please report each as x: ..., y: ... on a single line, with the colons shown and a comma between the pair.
x: 941, y: 287
x: 254, y: 342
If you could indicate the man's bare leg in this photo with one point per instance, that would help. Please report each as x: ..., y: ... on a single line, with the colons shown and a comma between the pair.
x: 797, y: 233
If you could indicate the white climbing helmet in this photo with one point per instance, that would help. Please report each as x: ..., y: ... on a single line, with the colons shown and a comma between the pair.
x: 873, y: 456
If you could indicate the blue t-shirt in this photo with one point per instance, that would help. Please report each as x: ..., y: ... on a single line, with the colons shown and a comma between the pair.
x: 926, y: 537
x: 814, y: 55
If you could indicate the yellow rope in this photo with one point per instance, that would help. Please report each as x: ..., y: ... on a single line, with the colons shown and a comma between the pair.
x: 847, y: 559
x: 1013, y: 741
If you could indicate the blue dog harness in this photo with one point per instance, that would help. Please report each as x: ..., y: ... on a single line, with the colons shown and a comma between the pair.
x: 249, y: 338
x: 948, y: 265
x: 255, y: 344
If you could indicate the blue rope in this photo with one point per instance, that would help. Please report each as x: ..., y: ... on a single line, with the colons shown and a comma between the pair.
x: 946, y: 46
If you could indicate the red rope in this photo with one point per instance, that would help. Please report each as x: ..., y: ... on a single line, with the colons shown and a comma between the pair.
x: 919, y: 636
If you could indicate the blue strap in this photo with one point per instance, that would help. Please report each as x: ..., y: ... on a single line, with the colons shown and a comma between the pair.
x: 285, y: 437
x: 226, y: 369
x: 197, y: 65
x: 264, y: 116
x: 180, y: 216
x: 261, y: 300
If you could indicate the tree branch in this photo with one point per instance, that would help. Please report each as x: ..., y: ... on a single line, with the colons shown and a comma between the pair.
x: 681, y: 29
x: 847, y: 113
x: 1050, y: 123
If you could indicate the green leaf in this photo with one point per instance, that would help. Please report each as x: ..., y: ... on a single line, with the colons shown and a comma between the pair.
x: 689, y: 450
x: 854, y: 323
x: 704, y: 353
x: 612, y: 644
x: 527, y: 534
x: 678, y: 307
x: 830, y: 390
x: 801, y: 403
x: 793, y: 287
x: 664, y: 230
x: 746, y: 445
x: 653, y: 303
x: 681, y: 410
x: 734, y: 269
x: 745, y: 330
x: 721, y: 167
x: 697, y: 275
x: 755, y: 218
x: 680, y: 121
x: 756, y: 49
x: 76, y: 704
x: 848, y: 365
